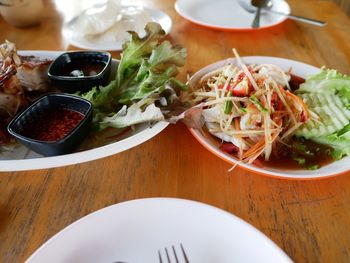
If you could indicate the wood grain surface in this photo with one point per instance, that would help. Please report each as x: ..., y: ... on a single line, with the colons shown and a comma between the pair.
x: 309, y: 220
x: 344, y: 4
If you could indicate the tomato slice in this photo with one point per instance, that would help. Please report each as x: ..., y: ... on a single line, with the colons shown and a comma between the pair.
x: 240, y: 91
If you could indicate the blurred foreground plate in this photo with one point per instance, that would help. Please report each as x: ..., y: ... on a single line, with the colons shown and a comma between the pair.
x: 228, y: 14
x: 110, y: 43
x: 21, y: 158
x: 134, y: 231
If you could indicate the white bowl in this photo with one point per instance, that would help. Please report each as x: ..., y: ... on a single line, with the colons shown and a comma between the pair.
x: 298, y: 68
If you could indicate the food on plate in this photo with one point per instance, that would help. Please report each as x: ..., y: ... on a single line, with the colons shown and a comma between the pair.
x: 19, y: 77
x: 263, y: 115
x: 32, y: 73
x: 145, y: 88
x: 11, y: 91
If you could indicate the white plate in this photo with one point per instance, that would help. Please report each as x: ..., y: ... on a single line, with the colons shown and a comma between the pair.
x: 21, y: 158
x: 298, y: 68
x: 134, y: 231
x: 228, y: 14
x: 102, y: 44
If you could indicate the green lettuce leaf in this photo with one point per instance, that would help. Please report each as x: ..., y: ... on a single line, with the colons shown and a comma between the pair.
x: 136, y: 50
x: 339, y: 141
x: 328, y: 95
x: 327, y: 81
x: 132, y: 115
x: 148, y: 66
x: 156, y: 71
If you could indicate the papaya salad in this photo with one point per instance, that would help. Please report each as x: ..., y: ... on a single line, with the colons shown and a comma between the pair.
x: 261, y: 114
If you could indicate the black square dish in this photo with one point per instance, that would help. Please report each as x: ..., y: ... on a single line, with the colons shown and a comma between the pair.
x: 80, y: 70
x: 54, y: 124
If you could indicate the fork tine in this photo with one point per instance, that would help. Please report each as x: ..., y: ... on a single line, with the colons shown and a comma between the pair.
x: 184, y: 253
x: 176, y: 255
x: 174, y: 251
x: 167, y: 255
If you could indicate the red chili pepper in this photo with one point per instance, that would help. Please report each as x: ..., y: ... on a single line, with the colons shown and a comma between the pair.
x: 302, y: 117
x: 276, y: 102
x: 229, y: 148
x: 295, y: 82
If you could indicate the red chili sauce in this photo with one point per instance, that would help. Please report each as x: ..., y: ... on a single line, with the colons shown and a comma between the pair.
x: 53, y: 125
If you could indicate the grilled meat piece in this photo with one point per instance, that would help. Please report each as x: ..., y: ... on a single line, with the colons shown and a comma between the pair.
x: 20, y: 77
x: 11, y: 92
x: 32, y: 73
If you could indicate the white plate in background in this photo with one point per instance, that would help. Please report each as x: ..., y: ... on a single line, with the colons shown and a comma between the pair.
x: 134, y: 231
x: 229, y: 14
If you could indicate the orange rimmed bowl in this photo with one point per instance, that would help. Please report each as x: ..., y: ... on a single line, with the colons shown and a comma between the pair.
x: 298, y: 68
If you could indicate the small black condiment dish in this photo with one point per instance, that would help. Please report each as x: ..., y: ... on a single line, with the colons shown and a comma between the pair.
x: 36, y: 119
x: 80, y: 70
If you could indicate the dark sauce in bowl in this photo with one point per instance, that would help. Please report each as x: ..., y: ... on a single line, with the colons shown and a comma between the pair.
x: 80, y: 70
x: 76, y: 69
x: 53, y: 125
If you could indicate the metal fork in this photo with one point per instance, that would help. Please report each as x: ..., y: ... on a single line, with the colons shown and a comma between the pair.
x: 175, y: 256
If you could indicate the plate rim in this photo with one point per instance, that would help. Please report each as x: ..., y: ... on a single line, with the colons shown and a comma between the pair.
x: 307, y: 175
x: 75, y: 42
x: 179, y: 10
x: 77, y: 157
x: 167, y: 201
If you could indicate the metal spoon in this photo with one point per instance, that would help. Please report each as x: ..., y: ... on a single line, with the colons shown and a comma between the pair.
x: 253, y: 9
x: 259, y: 4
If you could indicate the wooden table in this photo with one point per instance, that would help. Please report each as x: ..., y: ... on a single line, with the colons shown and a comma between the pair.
x: 309, y: 220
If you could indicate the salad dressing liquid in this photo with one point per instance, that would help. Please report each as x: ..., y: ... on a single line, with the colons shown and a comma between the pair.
x: 315, y: 156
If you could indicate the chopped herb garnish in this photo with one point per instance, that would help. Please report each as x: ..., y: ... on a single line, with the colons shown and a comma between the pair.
x: 257, y: 103
x: 336, y: 154
x: 228, y: 104
x: 313, y: 167
x: 300, y: 160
